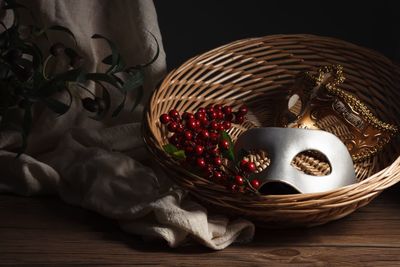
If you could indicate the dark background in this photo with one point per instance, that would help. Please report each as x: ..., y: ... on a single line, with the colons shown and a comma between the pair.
x: 190, y: 27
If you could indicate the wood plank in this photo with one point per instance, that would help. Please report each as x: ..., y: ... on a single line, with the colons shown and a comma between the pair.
x: 235, y: 256
x: 45, y: 231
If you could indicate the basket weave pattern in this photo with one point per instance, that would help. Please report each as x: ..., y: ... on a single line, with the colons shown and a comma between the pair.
x: 258, y: 71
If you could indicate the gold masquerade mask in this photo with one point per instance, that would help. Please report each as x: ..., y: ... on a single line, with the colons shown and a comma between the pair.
x: 316, y: 102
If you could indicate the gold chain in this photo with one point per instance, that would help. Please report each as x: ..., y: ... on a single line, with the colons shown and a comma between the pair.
x: 338, y: 78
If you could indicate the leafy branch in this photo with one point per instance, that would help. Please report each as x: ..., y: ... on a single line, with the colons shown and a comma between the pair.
x: 28, y: 75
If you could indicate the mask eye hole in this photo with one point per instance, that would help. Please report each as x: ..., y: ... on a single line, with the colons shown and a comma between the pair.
x: 312, y: 162
x: 294, y: 104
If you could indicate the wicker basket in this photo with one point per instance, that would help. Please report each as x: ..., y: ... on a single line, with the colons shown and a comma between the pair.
x: 257, y: 71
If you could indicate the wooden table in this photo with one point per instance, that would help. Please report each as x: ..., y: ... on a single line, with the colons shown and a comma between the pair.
x: 45, y: 231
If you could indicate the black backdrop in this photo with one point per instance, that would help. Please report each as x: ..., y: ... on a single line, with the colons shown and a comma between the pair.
x: 190, y: 27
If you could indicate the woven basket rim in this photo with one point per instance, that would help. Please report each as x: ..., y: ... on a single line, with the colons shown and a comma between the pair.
x: 378, y: 54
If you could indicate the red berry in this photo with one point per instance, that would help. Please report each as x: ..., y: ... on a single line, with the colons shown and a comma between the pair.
x: 243, y: 110
x: 199, y: 150
x: 233, y: 187
x: 214, y: 138
x: 174, y: 139
x: 239, y: 180
x: 187, y: 116
x: 227, y: 125
x: 213, y: 115
x: 207, y: 157
x: 217, y: 175
x: 251, y: 167
x: 218, y: 107
x: 164, y: 118
x: 188, y: 135
x: 204, y: 122
x: 198, y: 140
x: 200, y: 162
x: 255, y: 183
x: 210, y: 109
x: 202, y: 110
x: 172, y: 126
x: 224, y: 144
x: 200, y: 115
x: 191, y: 124
x: 217, y: 161
x: 198, y: 129
x: 220, y: 115
x: 229, y: 117
x: 174, y: 114
x: 204, y: 134
x: 243, y: 164
x: 208, y: 171
x: 214, y: 151
x: 221, y: 127
x: 227, y: 110
x: 239, y: 119
x: 214, y: 125
x: 188, y: 150
x: 180, y: 128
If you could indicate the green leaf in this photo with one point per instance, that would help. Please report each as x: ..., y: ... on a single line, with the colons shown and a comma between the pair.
x: 107, y: 60
x: 65, y: 30
x: 70, y: 97
x: 71, y: 53
x: 103, y: 78
x: 69, y: 76
x: 37, y: 32
x: 119, y: 107
x: 55, y: 105
x: 174, y: 152
x: 134, y: 80
x: 5, y: 70
x: 120, y: 66
x: 170, y: 148
x: 33, y: 50
x: 58, y: 82
x: 107, y: 99
x: 115, y: 56
x: 26, y: 128
x: 229, y: 152
x: 4, y: 26
x: 139, y: 67
x: 23, y: 63
x: 118, y: 79
x: 180, y: 154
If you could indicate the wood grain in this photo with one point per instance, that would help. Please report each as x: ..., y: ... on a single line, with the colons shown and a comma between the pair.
x: 47, y: 232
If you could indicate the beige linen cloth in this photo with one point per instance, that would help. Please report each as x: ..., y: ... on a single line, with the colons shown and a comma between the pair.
x: 102, y: 166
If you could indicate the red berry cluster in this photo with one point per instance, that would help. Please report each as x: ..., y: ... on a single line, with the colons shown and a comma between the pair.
x: 199, y: 135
